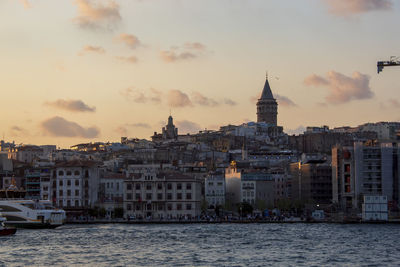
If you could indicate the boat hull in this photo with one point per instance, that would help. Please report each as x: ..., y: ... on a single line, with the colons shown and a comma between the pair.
x: 7, y: 231
x: 33, y: 225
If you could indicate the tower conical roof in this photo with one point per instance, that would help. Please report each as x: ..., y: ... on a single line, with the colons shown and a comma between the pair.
x: 266, y: 93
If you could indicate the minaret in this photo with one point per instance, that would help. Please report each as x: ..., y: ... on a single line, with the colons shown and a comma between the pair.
x: 267, y: 107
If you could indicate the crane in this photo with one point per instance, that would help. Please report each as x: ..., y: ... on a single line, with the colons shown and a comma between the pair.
x: 393, y: 61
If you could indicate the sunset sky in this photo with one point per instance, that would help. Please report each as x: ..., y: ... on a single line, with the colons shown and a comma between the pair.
x: 76, y: 71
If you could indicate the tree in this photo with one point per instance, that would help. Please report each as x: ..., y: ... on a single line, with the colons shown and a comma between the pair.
x: 118, y: 212
x: 245, y: 208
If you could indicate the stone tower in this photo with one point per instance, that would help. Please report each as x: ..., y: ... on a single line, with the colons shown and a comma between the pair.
x: 267, y: 107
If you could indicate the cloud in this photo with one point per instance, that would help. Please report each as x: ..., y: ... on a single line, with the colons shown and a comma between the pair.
x: 316, y: 80
x: 121, y: 130
x: 186, y: 52
x: 152, y: 95
x: 343, y: 88
x: 71, y: 105
x: 26, y: 4
x: 178, y: 99
x: 186, y: 126
x: 139, y: 125
x: 229, y: 102
x: 60, y: 127
x: 91, y: 49
x: 299, y: 130
x: 16, y: 131
x: 202, y: 100
x: 128, y: 39
x: 94, y: 16
x: 131, y: 59
x: 284, y: 101
x: 394, y: 103
x: 351, y: 7
x: 195, y: 46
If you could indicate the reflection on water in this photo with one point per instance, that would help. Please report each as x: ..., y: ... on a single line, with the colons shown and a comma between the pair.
x: 205, y: 245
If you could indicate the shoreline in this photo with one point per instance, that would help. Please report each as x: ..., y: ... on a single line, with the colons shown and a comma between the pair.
x: 226, y: 222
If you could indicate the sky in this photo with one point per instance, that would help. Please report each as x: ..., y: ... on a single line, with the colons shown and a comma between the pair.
x: 75, y: 71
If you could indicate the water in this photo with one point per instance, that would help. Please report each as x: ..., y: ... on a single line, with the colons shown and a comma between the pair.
x: 204, y: 245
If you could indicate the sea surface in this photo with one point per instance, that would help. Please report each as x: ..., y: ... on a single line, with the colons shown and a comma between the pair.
x: 204, y: 245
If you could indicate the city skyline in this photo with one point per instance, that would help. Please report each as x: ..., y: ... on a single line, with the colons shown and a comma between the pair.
x: 80, y: 71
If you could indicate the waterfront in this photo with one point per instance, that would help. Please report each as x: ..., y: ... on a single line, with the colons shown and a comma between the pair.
x: 205, y: 245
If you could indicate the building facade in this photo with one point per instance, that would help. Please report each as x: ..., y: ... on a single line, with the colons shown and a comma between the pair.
x: 365, y: 169
x: 161, y: 195
x: 215, y: 190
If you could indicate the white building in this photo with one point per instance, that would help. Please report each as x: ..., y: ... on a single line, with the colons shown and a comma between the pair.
x: 215, y: 190
x: 75, y: 184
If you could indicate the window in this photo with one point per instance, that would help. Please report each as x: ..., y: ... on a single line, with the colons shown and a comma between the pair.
x: 68, y: 203
x: 179, y: 196
x: 138, y: 197
x: 108, y: 185
x: 60, y: 183
x: 76, y: 182
x: 188, y: 186
x: 76, y: 203
x: 86, y: 183
x: 169, y: 207
x: 60, y: 173
x: 160, y: 207
x: 159, y: 196
x: 69, y: 173
x: 179, y: 206
x: 129, y: 187
x: 188, y: 196
x: 137, y: 186
x: 77, y: 173
x: 69, y: 193
x: 159, y: 186
x: 86, y: 174
x: 148, y: 186
x: 148, y: 196
x: 45, y: 188
x: 137, y: 207
x: 129, y: 196
x: 76, y: 193
x: 60, y: 203
x: 179, y: 186
x: 60, y: 193
x: 129, y: 207
x: 188, y: 206
x: 117, y: 186
x: 148, y: 207
x: 169, y: 186
x: 68, y: 182
x: 169, y: 196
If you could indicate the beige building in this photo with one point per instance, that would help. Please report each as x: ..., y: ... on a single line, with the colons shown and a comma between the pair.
x: 163, y: 195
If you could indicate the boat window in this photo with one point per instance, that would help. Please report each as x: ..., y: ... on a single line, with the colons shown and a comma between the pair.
x: 28, y: 205
x: 5, y: 208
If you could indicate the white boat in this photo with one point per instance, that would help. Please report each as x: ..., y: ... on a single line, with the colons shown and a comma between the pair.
x: 31, y: 213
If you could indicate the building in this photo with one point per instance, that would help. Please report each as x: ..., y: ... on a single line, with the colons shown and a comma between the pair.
x: 215, y: 190
x: 311, y: 181
x: 365, y: 169
x: 162, y: 195
x: 256, y: 187
x: 111, y: 192
x: 168, y: 132
x: 267, y: 107
x: 75, y: 184
x: 37, y: 183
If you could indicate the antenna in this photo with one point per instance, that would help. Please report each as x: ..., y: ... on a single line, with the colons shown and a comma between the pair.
x: 266, y: 74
